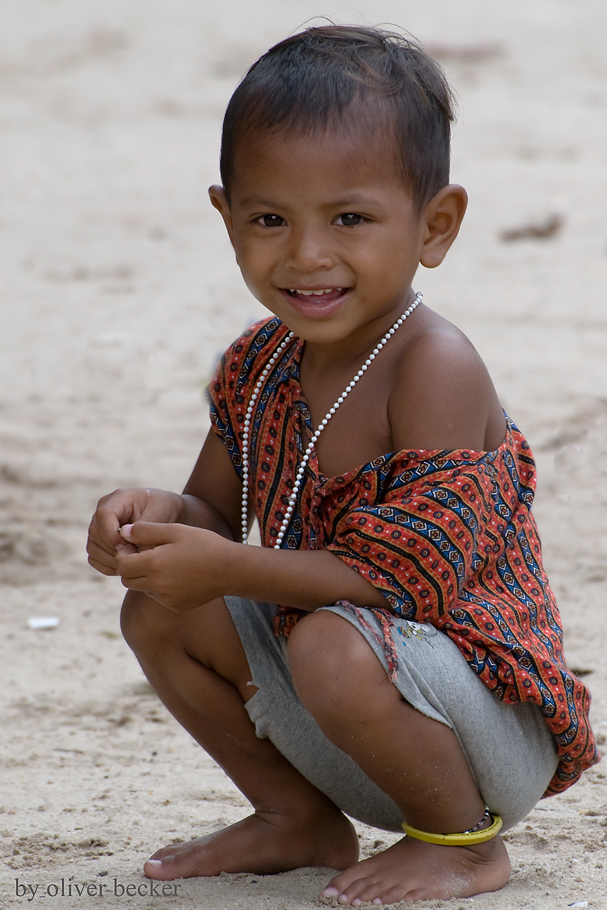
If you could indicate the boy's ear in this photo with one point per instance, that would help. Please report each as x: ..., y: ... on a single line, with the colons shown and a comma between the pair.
x: 443, y: 217
x: 219, y: 201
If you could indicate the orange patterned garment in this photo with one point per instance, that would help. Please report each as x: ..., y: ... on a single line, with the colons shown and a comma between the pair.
x: 447, y: 537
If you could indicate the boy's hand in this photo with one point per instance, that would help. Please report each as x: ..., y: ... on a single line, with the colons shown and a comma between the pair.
x: 179, y: 566
x: 119, y: 508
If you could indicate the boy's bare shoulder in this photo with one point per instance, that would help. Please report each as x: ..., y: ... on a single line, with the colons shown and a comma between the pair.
x: 434, y: 344
x: 443, y: 396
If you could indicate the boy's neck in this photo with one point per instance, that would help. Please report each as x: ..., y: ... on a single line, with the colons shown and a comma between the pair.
x: 347, y: 355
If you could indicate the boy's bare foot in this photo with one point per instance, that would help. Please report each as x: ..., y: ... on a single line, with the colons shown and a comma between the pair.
x: 414, y: 870
x: 265, y: 842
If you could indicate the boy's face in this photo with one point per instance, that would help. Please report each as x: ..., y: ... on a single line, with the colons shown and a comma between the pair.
x: 326, y: 234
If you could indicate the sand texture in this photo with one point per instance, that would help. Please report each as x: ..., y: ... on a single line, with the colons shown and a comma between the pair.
x: 118, y: 292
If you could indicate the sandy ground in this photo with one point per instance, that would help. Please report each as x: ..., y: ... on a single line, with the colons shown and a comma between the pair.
x: 118, y: 292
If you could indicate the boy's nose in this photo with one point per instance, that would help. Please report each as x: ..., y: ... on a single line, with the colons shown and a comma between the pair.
x: 308, y: 251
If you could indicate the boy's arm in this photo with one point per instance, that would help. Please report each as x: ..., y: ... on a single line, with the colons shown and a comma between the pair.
x: 183, y: 568
x: 184, y: 549
x: 198, y: 556
x: 212, y: 496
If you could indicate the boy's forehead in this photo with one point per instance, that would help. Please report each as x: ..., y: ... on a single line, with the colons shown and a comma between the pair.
x: 347, y: 151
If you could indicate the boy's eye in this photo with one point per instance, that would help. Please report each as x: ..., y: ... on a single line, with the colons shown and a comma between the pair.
x: 349, y: 219
x: 270, y: 221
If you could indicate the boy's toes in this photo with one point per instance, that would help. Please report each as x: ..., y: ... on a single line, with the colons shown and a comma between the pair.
x: 181, y: 860
x: 351, y: 893
x: 165, y: 869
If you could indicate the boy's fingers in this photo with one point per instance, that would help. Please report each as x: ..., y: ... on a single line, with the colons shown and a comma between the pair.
x: 132, y: 565
x: 105, y: 531
x: 115, y: 510
x: 146, y: 534
x: 98, y: 556
x: 125, y: 549
x: 101, y: 567
x: 137, y: 584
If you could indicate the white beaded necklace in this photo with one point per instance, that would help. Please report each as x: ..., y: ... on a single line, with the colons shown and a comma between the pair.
x: 306, y: 457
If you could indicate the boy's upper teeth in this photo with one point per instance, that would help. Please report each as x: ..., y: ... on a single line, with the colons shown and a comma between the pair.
x: 316, y: 293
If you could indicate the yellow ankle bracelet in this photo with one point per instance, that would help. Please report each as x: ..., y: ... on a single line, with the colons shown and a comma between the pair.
x: 457, y: 840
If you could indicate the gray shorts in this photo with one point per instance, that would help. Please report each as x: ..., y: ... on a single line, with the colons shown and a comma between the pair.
x: 511, y: 752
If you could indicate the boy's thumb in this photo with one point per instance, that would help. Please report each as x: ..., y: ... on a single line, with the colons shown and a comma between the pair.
x: 144, y: 534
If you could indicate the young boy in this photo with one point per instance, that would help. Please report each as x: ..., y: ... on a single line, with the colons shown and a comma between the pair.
x: 413, y: 676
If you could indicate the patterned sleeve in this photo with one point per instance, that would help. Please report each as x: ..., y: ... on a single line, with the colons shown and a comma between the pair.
x: 232, y: 381
x: 220, y: 393
x: 456, y: 545
x: 433, y: 527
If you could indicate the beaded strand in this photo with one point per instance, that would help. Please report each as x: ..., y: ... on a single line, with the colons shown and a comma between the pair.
x: 323, y: 423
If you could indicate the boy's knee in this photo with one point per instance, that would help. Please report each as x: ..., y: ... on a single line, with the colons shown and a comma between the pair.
x: 330, y: 662
x: 144, y: 622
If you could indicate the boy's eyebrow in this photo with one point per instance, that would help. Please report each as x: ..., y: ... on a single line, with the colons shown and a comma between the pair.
x: 350, y: 201
x: 258, y: 200
x: 354, y: 200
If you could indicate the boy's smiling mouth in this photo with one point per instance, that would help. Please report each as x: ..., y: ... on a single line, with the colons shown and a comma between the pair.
x: 321, y: 295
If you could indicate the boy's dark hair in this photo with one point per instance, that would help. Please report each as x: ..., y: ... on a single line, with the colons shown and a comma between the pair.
x: 362, y: 81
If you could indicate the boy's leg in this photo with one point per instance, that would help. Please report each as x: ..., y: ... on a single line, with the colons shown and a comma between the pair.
x: 416, y: 760
x: 197, y: 665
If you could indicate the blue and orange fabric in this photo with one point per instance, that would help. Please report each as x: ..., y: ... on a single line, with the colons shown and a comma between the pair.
x: 447, y: 536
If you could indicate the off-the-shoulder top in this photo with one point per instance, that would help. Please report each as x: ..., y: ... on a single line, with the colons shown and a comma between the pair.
x: 448, y: 537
